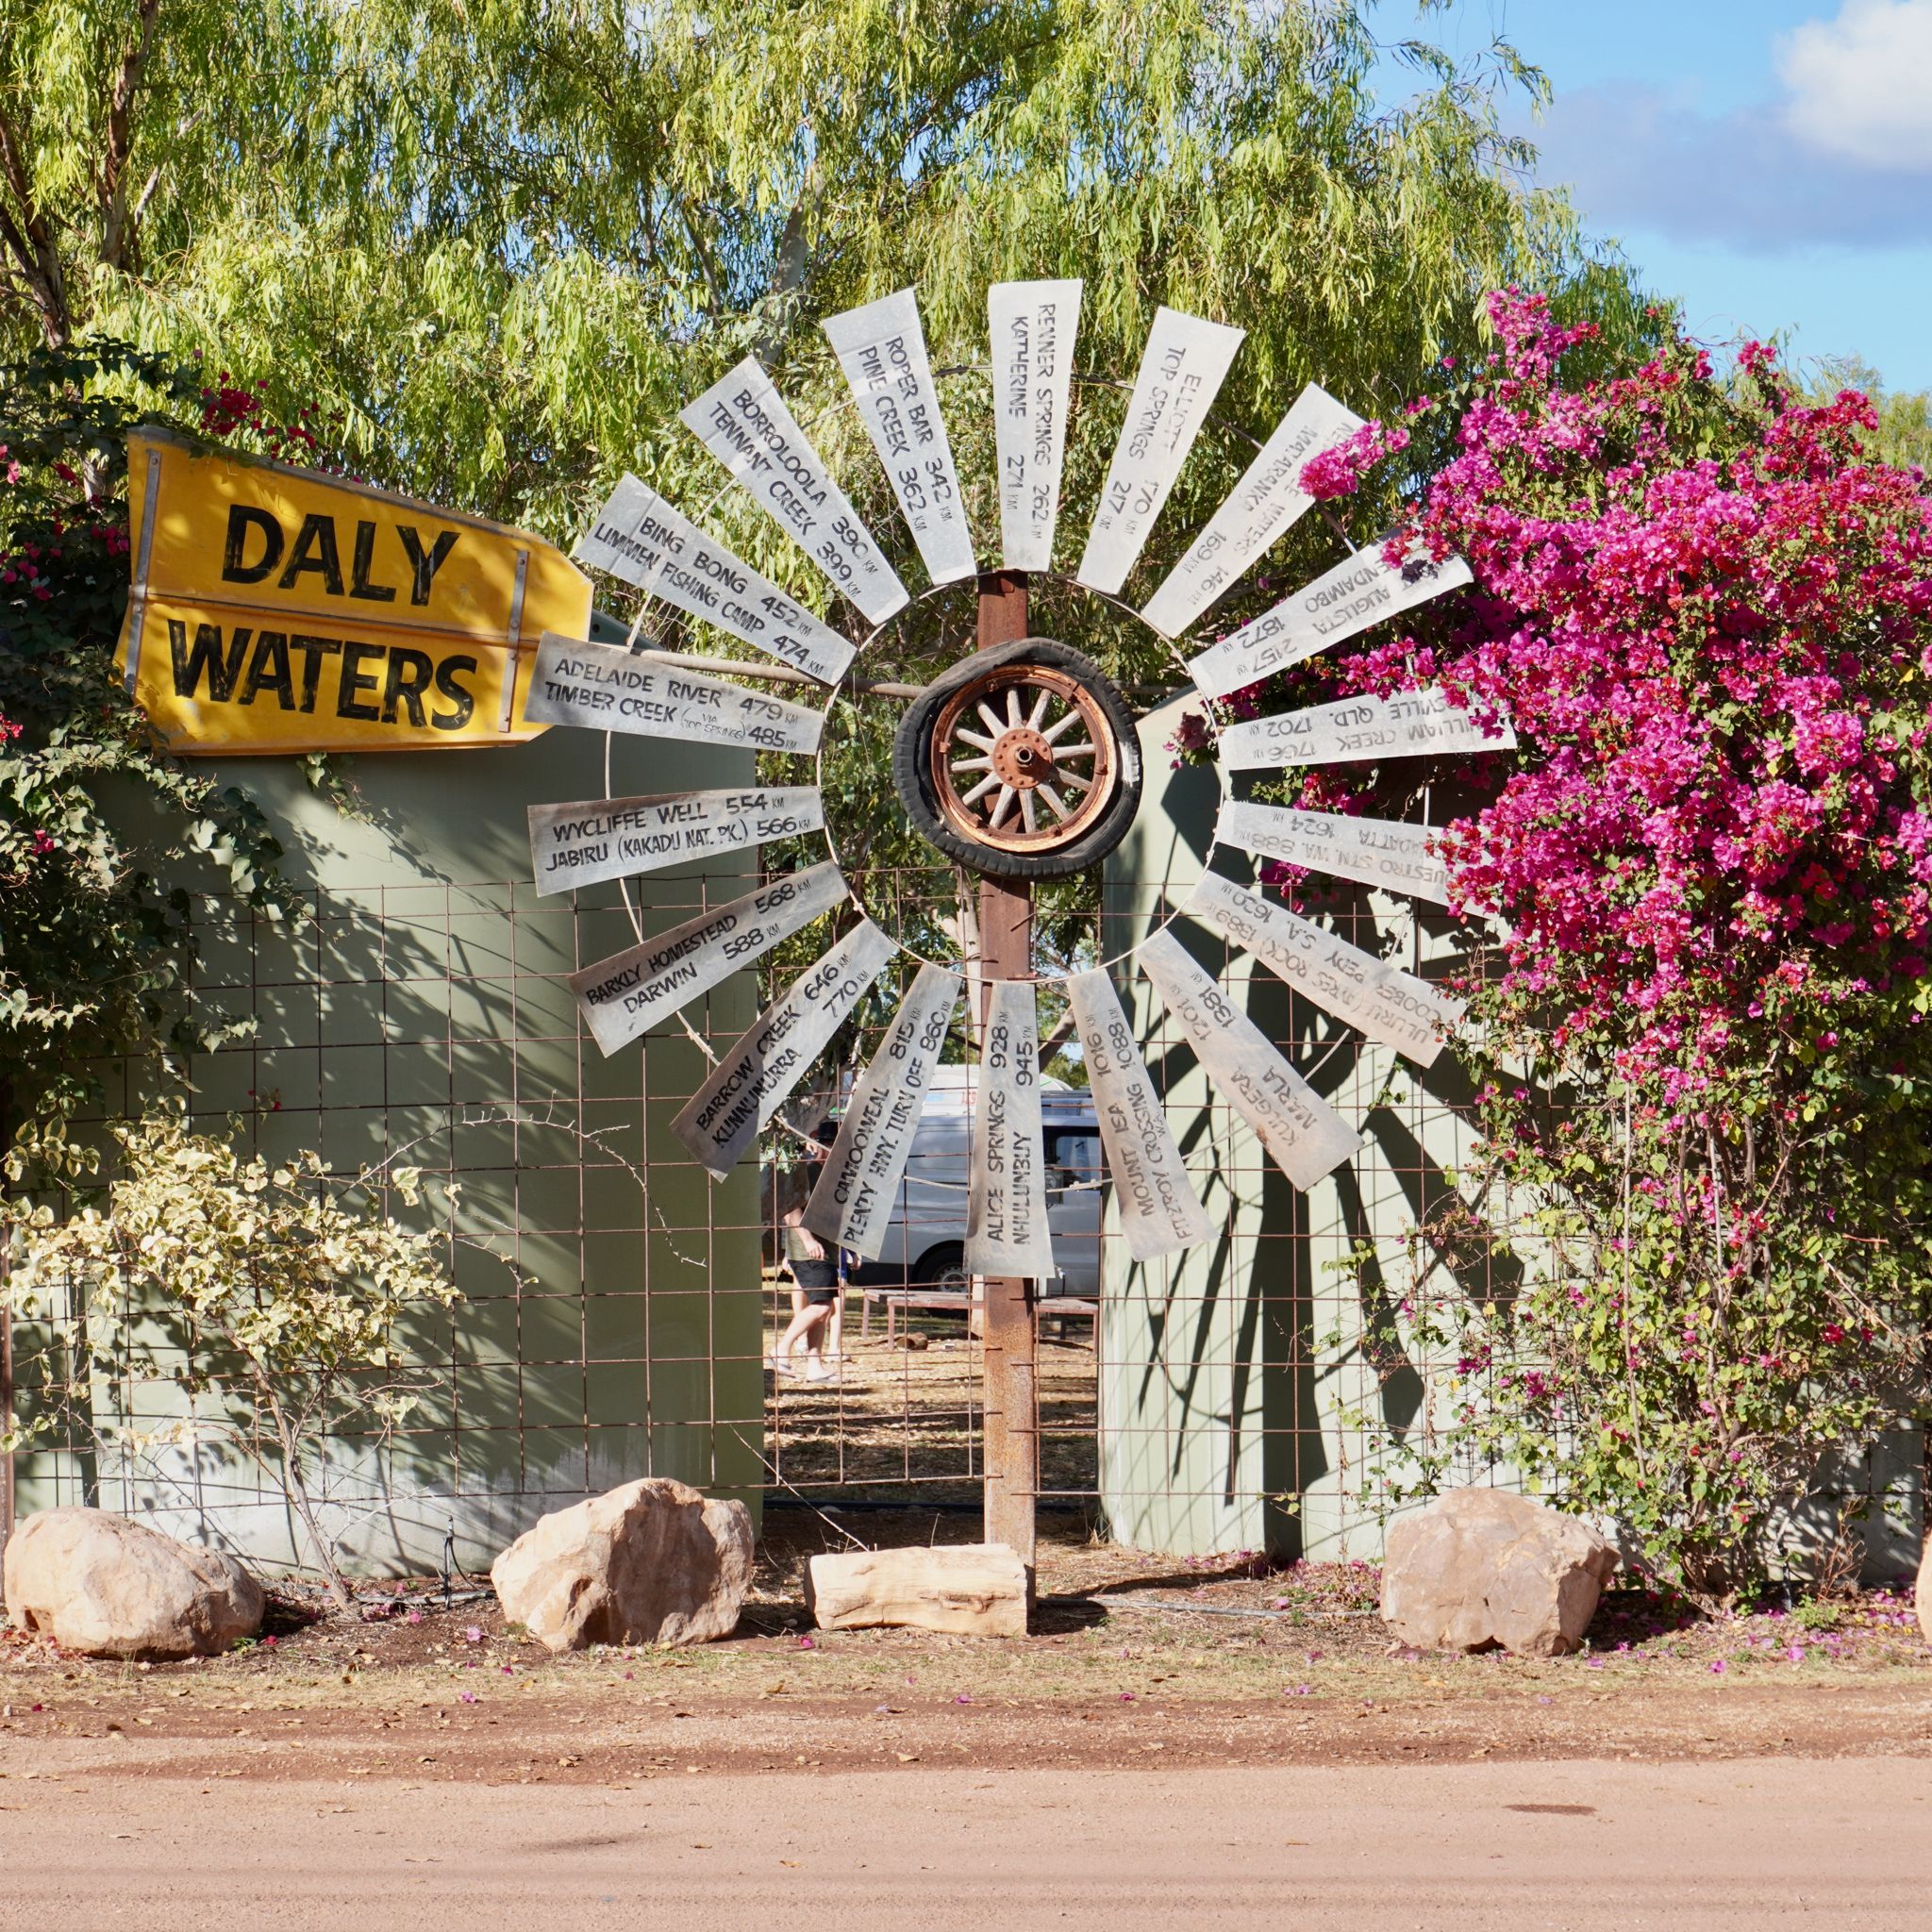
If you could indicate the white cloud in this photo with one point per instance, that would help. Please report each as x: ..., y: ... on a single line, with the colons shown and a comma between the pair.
x: 1861, y: 85
x: 1637, y: 158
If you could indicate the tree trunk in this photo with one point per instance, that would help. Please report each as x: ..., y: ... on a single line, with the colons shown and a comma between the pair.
x: 296, y: 1487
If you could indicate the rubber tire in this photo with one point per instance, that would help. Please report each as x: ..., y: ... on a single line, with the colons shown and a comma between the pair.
x: 937, y: 1261
x: 913, y: 767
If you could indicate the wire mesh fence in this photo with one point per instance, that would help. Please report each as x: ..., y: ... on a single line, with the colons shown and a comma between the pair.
x: 621, y: 1308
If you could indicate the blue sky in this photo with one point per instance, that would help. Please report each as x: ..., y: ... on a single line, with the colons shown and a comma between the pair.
x: 1767, y: 161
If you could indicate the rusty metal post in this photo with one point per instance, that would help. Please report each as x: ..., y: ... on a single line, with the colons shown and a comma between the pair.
x: 1005, y: 951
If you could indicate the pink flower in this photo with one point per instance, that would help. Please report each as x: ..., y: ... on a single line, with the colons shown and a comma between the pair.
x: 1338, y: 470
x: 466, y: 1696
x: 473, y: 1635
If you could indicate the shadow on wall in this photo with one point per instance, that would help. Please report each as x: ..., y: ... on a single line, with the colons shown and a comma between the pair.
x: 1243, y: 1381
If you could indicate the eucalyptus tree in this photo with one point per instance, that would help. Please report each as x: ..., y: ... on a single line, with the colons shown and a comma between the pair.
x: 503, y: 240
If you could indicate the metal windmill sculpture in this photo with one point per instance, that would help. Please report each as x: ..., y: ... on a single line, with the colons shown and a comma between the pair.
x: 1018, y: 764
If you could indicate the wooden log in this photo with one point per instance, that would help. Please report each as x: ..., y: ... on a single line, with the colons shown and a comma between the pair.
x: 975, y: 1590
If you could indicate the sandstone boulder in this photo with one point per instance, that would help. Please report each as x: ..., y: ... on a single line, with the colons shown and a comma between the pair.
x: 1923, y: 1592
x: 1482, y: 1568
x: 975, y: 1590
x: 97, y: 1584
x: 654, y: 1561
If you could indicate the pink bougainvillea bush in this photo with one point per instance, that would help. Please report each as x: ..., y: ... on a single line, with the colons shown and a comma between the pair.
x: 1708, y: 869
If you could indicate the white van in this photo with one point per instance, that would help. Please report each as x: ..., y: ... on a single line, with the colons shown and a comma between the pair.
x: 925, y: 1242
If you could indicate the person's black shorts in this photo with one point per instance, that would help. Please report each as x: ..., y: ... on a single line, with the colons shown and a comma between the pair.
x: 819, y: 1280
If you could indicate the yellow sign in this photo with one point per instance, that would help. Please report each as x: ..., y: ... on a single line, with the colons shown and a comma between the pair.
x: 278, y: 609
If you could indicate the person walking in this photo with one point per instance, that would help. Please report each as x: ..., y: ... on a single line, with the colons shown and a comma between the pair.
x: 814, y: 1271
x: 816, y: 1289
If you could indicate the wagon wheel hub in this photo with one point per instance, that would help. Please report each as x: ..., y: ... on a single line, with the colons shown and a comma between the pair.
x: 1023, y: 759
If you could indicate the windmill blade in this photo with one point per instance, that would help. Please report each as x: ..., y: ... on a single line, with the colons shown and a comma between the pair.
x: 643, y: 540
x: 851, y: 1206
x: 742, y: 421
x: 1182, y: 368
x: 1372, y: 852
x: 1262, y: 506
x: 1358, y: 592
x: 1386, y: 1005
x: 881, y: 347
x: 625, y: 995
x: 1304, y: 1137
x: 1410, y: 724
x: 769, y: 1058
x: 657, y: 695
x: 584, y: 841
x: 1006, y: 1208
x: 1032, y: 328
x: 1159, y: 1212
